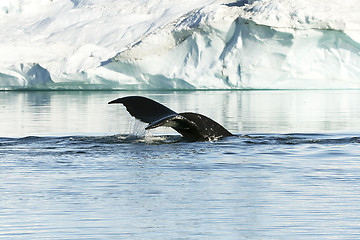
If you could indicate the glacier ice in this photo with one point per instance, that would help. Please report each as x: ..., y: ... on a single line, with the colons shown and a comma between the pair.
x: 154, y: 44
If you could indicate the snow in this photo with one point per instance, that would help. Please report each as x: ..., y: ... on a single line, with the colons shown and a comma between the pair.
x: 179, y: 44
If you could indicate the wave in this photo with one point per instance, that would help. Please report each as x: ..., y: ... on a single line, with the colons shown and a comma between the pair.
x: 247, y: 139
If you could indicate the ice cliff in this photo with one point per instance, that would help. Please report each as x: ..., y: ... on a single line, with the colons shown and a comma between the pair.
x: 154, y: 44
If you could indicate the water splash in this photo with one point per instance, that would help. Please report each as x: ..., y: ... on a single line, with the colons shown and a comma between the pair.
x: 136, y: 128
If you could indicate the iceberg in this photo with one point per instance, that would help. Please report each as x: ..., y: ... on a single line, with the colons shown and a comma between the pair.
x: 175, y: 45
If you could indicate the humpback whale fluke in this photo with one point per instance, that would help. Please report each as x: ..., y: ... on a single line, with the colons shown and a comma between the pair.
x: 192, y: 126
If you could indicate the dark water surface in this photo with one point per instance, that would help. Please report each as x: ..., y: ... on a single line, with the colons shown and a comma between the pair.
x: 73, y: 167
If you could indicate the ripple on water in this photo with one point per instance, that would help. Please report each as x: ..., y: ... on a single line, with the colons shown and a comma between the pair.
x: 249, y: 186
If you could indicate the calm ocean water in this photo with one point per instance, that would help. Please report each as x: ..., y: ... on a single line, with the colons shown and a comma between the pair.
x: 74, y: 167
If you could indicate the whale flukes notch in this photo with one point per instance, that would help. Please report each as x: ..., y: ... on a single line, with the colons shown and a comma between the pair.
x: 192, y: 126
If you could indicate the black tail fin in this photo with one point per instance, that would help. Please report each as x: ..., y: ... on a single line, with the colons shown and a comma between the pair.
x: 144, y: 109
x: 193, y: 126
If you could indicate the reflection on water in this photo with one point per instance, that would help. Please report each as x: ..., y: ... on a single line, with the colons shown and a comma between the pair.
x: 87, y: 113
x: 291, y: 172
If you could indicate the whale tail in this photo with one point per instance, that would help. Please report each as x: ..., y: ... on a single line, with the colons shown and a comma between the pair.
x: 192, y: 126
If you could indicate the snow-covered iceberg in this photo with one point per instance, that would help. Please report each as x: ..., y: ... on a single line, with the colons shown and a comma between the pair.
x: 188, y: 44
